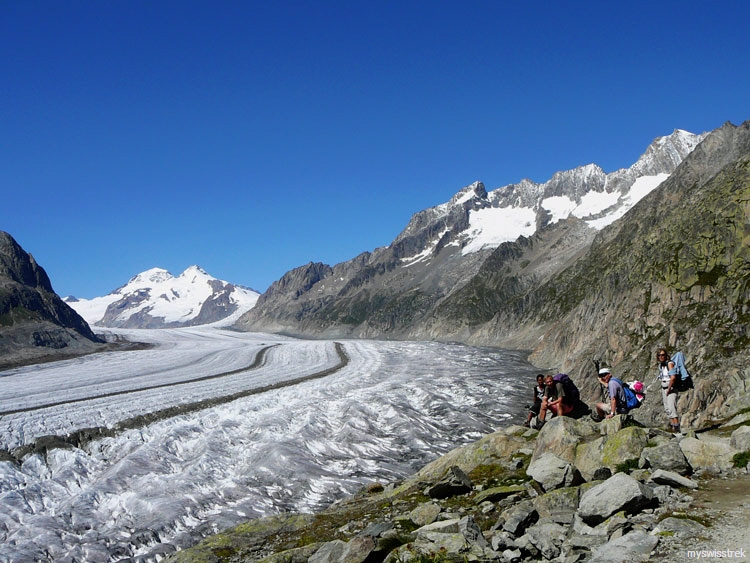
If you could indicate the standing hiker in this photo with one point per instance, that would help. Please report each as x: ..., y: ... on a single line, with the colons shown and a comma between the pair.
x: 669, y: 393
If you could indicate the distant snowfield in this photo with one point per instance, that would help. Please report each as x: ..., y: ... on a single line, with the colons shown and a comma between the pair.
x: 393, y: 407
x: 490, y: 227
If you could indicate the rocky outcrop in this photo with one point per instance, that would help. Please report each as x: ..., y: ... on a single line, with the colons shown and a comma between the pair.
x: 34, y: 322
x: 501, y: 505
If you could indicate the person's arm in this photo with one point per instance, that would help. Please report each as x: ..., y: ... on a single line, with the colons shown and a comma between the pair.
x: 612, y: 399
x: 612, y: 406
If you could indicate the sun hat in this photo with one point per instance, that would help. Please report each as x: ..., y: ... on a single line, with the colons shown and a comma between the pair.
x: 604, y: 371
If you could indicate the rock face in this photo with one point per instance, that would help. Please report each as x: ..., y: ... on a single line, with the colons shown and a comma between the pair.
x: 34, y: 322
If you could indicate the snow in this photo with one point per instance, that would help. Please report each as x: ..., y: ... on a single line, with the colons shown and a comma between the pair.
x: 595, y: 202
x: 560, y: 207
x: 175, y: 299
x: 392, y: 408
x: 493, y: 226
x: 640, y: 189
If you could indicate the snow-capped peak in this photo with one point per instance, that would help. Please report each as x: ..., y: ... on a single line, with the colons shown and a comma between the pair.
x: 488, y: 219
x: 154, y: 275
x: 155, y: 298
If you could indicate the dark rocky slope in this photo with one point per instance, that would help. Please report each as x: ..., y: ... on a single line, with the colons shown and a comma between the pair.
x: 35, y: 324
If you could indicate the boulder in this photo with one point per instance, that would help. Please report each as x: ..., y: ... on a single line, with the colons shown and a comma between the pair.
x: 552, y: 472
x: 519, y: 517
x: 619, y: 492
x: 454, y: 482
x: 559, y: 505
x: 588, y: 457
x: 496, y: 494
x: 547, y: 537
x: 500, y: 445
x: 561, y: 436
x: 471, y: 532
x: 633, y: 546
x: 425, y: 513
x: 623, y: 446
x: 662, y: 477
x: 612, y: 425
x: 709, y: 455
x: 451, y: 536
x: 668, y: 457
x: 740, y: 439
x: 680, y: 527
x: 337, y: 551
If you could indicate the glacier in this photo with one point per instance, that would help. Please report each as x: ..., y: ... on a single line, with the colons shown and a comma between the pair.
x: 291, y: 442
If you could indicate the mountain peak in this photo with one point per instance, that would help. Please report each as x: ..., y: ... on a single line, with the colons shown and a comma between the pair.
x: 194, y: 271
x: 153, y: 275
x: 156, y: 299
x: 472, y: 191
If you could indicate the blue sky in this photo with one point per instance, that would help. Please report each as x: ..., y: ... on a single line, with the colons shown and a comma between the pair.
x: 253, y: 137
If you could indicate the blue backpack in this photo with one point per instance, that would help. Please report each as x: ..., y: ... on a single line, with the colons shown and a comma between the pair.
x: 631, y: 400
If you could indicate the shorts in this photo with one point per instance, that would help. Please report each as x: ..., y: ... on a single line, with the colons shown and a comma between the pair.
x: 565, y: 409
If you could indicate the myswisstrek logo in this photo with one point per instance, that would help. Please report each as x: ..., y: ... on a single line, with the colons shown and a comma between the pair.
x: 717, y: 553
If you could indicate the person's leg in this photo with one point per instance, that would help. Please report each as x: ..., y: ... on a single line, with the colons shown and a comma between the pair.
x: 674, y: 417
x: 665, y: 401
x: 543, y: 410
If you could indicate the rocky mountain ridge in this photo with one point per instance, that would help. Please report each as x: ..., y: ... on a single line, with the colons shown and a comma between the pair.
x: 157, y: 299
x: 393, y: 291
x: 34, y: 322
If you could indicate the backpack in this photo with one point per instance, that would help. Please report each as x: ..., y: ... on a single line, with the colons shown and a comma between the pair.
x: 631, y: 398
x: 571, y: 391
x: 684, y: 382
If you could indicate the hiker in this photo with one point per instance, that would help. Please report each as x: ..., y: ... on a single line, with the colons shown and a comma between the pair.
x: 539, y: 390
x: 669, y: 393
x: 555, y: 399
x: 617, y: 401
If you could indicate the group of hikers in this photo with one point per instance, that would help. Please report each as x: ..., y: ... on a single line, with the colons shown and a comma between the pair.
x: 559, y: 396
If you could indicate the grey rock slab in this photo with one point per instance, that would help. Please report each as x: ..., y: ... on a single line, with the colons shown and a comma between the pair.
x: 619, y: 492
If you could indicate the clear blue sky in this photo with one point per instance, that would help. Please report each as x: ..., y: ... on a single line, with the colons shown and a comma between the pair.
x: 251, y: 137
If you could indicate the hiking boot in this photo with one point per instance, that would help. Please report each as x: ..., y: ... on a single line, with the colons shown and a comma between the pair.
x: 596, y: 418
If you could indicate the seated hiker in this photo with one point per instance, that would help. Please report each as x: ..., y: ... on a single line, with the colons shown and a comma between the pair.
x: 617, y: 400
x: 538, y: 390
x: 555, y: 399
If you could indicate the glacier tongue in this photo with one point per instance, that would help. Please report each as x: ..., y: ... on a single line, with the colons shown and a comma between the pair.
x: 392, y: 408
